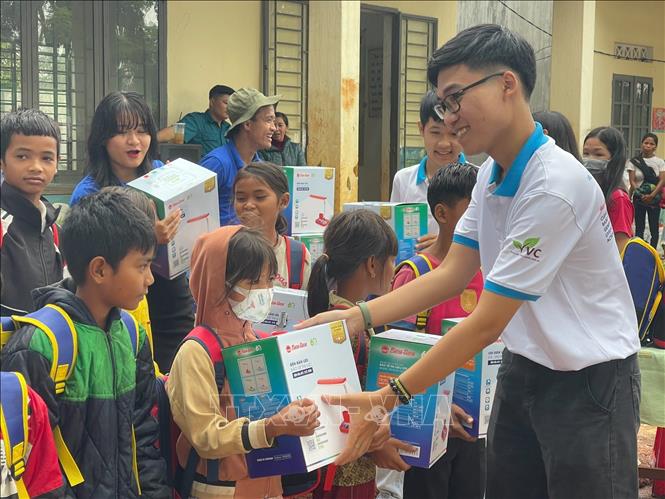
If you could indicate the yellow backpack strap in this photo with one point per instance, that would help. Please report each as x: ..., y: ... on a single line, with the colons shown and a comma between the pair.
x: 14, y: 425
x: 61, y: 332
x: 132, y: 326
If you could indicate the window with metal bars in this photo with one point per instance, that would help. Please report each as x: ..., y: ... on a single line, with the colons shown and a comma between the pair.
x: 631, y: 108
x: 417, y: 42
x: 62, y: 57
x: 285, y: 46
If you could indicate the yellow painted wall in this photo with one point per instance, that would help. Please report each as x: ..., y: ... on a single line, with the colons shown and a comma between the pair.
x: 638, y: 22
x: 210, y: 43
x: 444, y: 11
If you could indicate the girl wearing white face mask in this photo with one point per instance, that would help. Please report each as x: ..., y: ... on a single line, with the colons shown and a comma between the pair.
x: 231, y: 281
x: 604, y: 156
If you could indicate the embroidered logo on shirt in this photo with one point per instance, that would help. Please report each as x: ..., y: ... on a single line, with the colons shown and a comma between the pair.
x: 528, y: 249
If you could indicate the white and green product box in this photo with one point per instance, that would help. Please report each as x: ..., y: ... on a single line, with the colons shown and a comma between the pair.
x: 289, y: 307
x: 475, y: 383
x: 192, y: 188
x: 313, y: 242
x: 408, y: 220
x: 424, y: 423
x: 312, y: 203
x: 266, y: 375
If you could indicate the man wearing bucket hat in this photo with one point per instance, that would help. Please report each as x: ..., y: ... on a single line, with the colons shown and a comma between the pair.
x: 252, y: 117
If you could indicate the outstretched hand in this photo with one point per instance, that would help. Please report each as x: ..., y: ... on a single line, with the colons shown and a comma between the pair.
x: 367, y: 412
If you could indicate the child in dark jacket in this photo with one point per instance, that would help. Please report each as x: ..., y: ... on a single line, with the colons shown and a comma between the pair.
x: 103, y: 414
x: 28, y: 238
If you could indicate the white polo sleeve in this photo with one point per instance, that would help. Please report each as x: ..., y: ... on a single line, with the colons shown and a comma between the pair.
x: 466, y: 230
x: 542, y: 231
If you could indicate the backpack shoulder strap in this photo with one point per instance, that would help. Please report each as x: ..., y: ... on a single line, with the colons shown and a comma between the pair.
x: 56, y: 235
x: 5, y: 221
x: 295, y: 262
x: 14, y: 422
x: 62, y: 335
x: 7, y: 328
x: 211, y: 343
x: 420, y: 264
x: 132, y: 326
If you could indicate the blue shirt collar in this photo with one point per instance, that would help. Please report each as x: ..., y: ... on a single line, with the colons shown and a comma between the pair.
x: 422, y: 168
x: 511, y: 181
x: 422, y: 171
x: 235, y: 156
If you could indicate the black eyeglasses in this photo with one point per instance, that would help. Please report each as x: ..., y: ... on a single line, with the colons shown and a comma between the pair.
x: 451, y: 102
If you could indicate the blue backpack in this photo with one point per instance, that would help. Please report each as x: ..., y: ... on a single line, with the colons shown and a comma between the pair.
x: 63, y: 337
x: 646, y: 278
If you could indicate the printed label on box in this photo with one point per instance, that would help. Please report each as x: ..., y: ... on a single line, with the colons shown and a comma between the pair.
x: 424, y: 422
x: 475, y: 383
x: 191, y: 188
x: 266, y: 375
x: 312, y: 203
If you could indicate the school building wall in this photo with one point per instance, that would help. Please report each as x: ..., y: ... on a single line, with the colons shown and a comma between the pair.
x: 210, y: 43
x: 635, y: 22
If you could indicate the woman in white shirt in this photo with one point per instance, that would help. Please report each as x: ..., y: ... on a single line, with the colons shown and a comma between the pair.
x: 646, y: 173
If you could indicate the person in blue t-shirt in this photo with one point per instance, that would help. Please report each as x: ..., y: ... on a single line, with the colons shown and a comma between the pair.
x: 121, y: 148
x: 253, y: 124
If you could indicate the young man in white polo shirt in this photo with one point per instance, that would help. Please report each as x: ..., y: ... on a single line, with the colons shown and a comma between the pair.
x: 566, y: 411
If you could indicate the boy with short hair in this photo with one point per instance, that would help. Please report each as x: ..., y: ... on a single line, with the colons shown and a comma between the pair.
x: 410, y: 184
x: 461, y: 471
x: 28, y: 238
x: 103, y: 414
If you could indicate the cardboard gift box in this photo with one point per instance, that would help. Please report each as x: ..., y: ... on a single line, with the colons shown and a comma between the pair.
x: 475, y: 383
x: 314, y: 244
x: 192, y: 188
x: 289, y: 307
x: 408, y: 220
x: 266, y: 375
x: 312, y: 203
x: 424, y: 423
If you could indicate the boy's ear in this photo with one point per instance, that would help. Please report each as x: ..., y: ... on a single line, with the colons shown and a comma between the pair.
x: 98, y: 269
x: 421, y: 128
x: 441, y: 213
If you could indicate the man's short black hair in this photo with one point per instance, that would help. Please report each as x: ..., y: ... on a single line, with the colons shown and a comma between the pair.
x: 220, y: 90
x: 451, y: 184
x: 427, y: 104
x: 487, y: 46
x: 27, y: 122
x: 106, y: 224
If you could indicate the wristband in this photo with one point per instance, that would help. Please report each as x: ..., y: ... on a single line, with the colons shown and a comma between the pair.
x: 402, y: 388
x: 401, y: 396
x: 367, y: 319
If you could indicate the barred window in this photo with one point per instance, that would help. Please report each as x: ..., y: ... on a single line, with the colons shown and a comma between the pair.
x: 285, y: 46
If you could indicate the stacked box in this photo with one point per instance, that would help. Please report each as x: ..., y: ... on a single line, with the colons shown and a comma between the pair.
x: 192, y: 188
x: 266, y: 375
x: 289, y: 307
x: 423, y: 423
x: 408, y: 220
x: 313, y: 242
x: 312, y: 203
x: 475, y: 383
